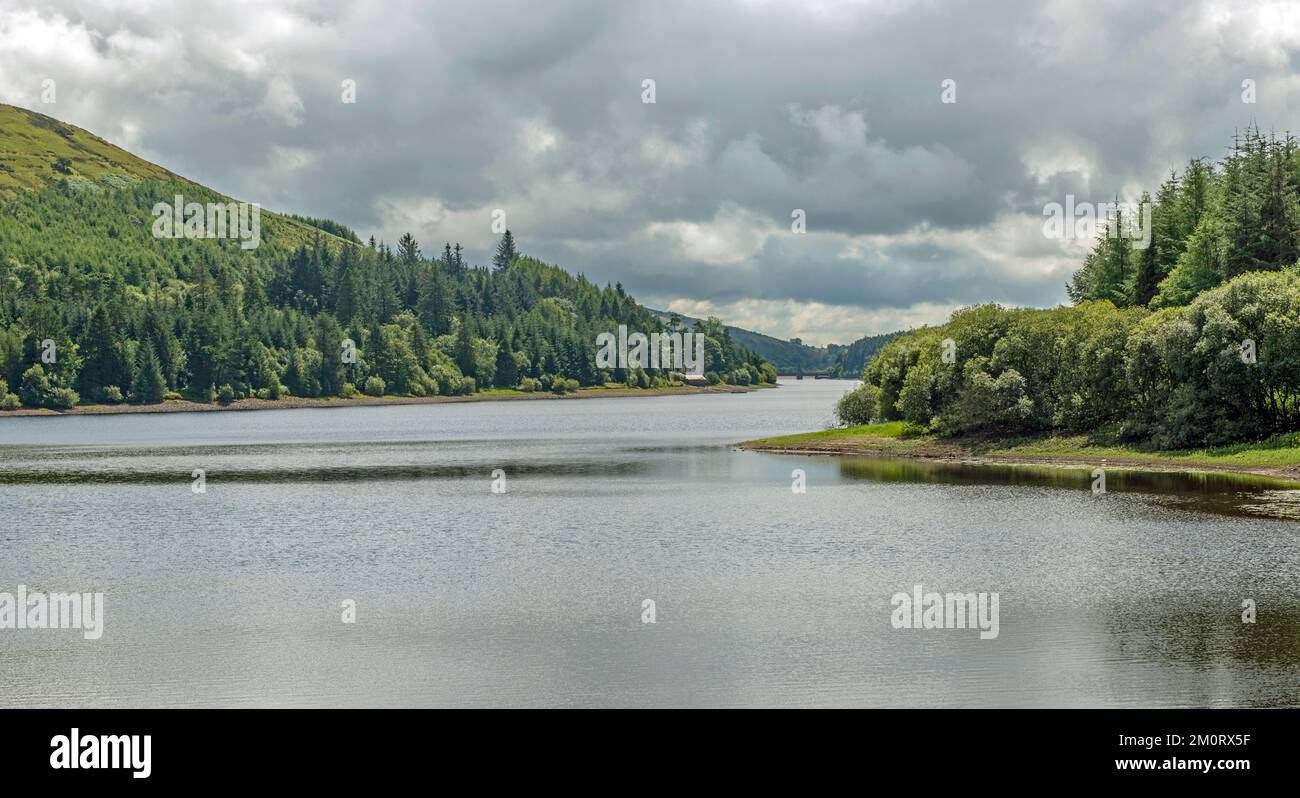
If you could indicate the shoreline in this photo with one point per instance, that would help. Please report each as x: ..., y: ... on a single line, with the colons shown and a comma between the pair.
x: 304, y: 402
x: 929, y: 449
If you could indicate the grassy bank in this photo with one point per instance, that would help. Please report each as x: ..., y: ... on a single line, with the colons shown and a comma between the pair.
x: 295, y: 402
x: 1278, y: 456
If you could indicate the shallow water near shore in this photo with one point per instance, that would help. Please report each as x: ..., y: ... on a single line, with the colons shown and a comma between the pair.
x: 534, y: 597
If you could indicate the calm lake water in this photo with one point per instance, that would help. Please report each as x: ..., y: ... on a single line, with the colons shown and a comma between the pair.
x: 534, y: 597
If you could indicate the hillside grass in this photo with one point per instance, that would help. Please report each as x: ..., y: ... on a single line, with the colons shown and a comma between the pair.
x: 32, y: 143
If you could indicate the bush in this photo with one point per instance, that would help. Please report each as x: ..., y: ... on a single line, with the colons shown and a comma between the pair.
x: 113, y: 395
x: 859, y: 406
x: 225, y: 394
x: 172, y: 396
x: 348, y: 391
x: 35, y: 387
x: 375, y: 386
x: 528, y: 385
x: 40, y: 390
x: 427, y: 384
x: 986, y: 402
x: 8, y: 401
x: 63, y: 398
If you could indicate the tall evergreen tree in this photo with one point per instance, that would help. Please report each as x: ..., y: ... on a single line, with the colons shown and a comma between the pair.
x: 507, y: 371
x: 433, y: 305
x: 505, y: 252
x: 148, y: 386
x: 105, y: 361
x: 464, y: 347
x: 408, y: 250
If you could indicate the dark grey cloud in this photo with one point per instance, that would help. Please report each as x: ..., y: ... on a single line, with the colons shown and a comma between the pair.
x: 913, y: 206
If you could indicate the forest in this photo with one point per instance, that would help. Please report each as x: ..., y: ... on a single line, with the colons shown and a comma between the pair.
x: 1191, y: 341
x: 94, y: 309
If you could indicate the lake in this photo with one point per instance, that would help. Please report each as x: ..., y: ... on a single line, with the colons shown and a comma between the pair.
x: 535, y: 596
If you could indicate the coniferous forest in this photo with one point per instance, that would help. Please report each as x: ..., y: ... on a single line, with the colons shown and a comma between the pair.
x: 134, y: 318
x: 1189, y: 341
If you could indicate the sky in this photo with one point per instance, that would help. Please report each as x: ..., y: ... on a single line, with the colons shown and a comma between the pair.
x: 918, y: 195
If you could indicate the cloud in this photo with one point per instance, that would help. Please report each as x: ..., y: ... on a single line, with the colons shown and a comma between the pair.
x: 913, y: 206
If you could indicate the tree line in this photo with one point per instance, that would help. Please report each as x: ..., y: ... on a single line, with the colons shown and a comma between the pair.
x: 1192, y: 341
x: 1211, y: 223
x: 94, y: 309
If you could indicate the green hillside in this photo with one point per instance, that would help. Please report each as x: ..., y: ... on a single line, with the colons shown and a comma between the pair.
x: 849, y: 361
x: 96, y: 306
x: 788, y: 357
x: 39, y: 152
x: 36, y: 151
x: 794, y: 357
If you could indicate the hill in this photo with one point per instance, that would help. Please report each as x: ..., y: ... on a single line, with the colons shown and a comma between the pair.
x: 39, y: 152
x: 100, y: 301
x: 795, y: 357
x: 36, y: 151
x: 849, y: 361
x: 787, y: 356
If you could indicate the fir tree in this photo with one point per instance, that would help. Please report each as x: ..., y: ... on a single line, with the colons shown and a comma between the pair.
x: 505, y: 253
x: 148, y: 386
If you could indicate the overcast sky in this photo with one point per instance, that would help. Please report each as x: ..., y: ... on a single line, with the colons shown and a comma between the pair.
x: 913, y: 206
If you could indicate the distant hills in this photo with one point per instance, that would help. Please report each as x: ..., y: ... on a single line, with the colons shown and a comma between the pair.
x: 794, y: 357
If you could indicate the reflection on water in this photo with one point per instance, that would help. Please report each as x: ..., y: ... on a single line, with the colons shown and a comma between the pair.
x: 764, y: 596
x: 1219, y: 492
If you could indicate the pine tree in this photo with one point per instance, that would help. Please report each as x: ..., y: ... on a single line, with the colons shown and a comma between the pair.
x: 329, y: 340
x: 407, y: 249
x: 464, y: 348
x: 433, y: 304
x: 1193, y: 197
x: 505, y: 253
x: 507, y: 373
x: 1238, y: 210
x: 1166, y: 237
x: 148, y: 386
x: 1275, y: 243
x: 1146, y: 281
x: 105, y: 364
